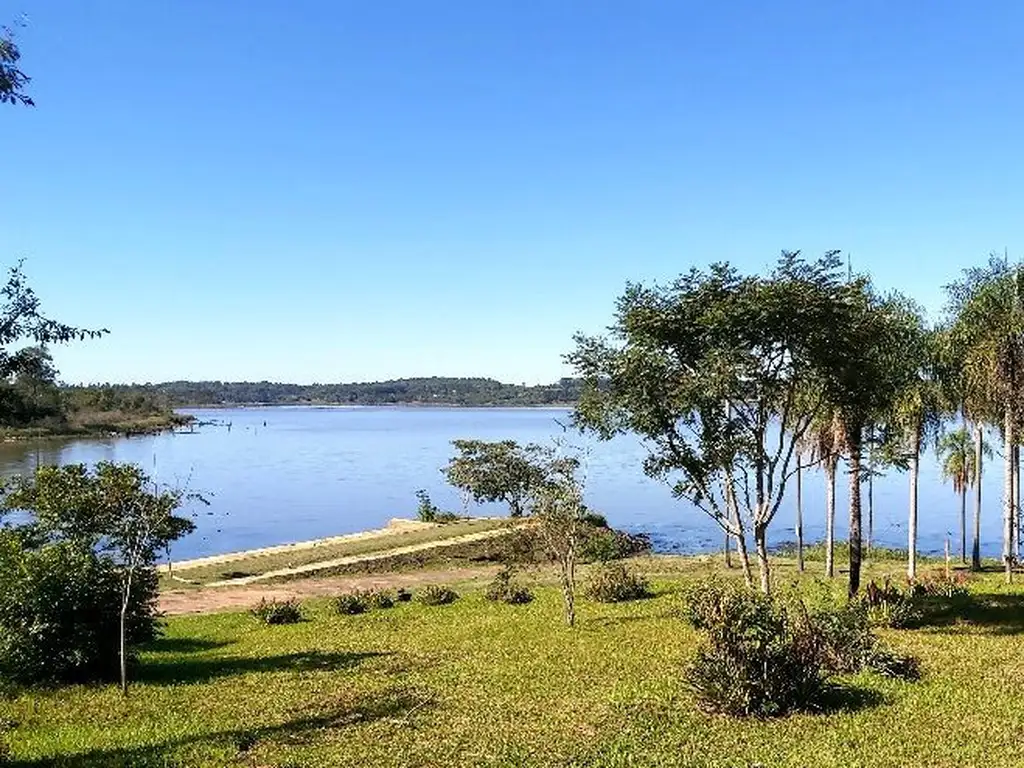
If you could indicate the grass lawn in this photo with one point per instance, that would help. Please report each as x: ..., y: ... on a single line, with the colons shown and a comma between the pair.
x: 478, y: 684
x: 270, y: 561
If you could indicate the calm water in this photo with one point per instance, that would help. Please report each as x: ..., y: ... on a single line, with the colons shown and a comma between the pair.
x: 287, y: 474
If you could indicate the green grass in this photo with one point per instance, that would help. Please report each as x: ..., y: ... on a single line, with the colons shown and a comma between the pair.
x: 263, y: 563
x: 483, y: 684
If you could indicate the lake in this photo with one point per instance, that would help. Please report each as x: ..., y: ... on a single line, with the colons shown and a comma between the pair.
x: 286, y: 474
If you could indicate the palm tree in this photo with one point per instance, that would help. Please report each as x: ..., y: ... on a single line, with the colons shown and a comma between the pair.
x: 988, y: 331
x: 917, y: 415
x: 825, y: 446
x: 956, y: 453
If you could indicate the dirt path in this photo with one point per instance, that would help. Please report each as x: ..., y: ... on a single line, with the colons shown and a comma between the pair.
x: 394, y: 527
x: 235, y: 598
x: 323, y: 565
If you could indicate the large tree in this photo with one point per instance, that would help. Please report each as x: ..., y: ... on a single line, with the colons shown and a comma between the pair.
x: 722, y: 374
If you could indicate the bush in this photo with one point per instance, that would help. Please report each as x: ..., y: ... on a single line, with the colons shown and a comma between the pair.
x: 755, y: 660
x: 352, y: 603
x: 403, y: 595
x: 278, y: 611
x: 889, y: 606
x: 60, y: 613
x: 939, y: 584
x: 615, y: 583
x: 380, y: 599
x: 604, y: 544
x: 426, y: 512
x: 505, y: 589
x: 765, y: 658
x: 436, y: 594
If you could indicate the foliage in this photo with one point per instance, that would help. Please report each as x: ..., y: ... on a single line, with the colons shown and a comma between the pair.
x: 616, y: 583
x: 402, y: 595
x: 352, y: 603
x: 437, y: 594
x: 938, y: 583
x: 766, y: 656
x: 497, y: 471
x: 113, y: 510
x: 756, y: 661
x: 504, y: 588
x: 955, y: 451
x: 603, y: 544
x: 278, y: 611
x: 426, y: 391
x: 380, y: 599
x: 59, y: 612
x: 889, y: 606
x: 426, y: 510
x: 12, y: 80
x: 705, y: 368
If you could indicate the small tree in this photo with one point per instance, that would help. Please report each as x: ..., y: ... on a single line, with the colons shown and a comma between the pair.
x: 956, y: 453
x: 115, y: 510
x: 496, y: 471
x: 559, y: 512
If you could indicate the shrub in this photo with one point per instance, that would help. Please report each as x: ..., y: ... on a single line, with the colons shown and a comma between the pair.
x: 755, y: 660
x: 278, y: 611
x: 939, y: 584
x: 436, y: 594
x: 60, y: 612
x: 889, y: 606
x: 764, y: 657
x: 615, y: 583
x: 505, y: 589
x: 380, y: 599
x: 403, y: 595
x: 352, y: 603
x: 604, y: 544
x: 426, y: 512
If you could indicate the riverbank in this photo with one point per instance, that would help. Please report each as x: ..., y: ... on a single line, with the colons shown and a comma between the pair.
x: 99, y: 424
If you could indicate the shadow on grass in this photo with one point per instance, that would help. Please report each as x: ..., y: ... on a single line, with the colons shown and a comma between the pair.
x: 840, y: 698
x: 203, y: 669
x: 984, y: 613
x: 397, y: 704
x: 182, y: 645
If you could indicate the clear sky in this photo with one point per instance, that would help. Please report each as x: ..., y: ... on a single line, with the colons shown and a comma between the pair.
x: 340, y: 190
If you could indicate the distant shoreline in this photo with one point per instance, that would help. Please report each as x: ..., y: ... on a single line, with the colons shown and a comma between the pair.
x: 354, y: 406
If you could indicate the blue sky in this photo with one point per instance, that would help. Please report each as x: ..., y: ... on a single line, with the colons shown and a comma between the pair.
x: 340, y: 190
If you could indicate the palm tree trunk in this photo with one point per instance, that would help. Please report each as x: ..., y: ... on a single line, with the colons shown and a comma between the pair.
x: 1007, y: 490
x: 979, y: 436
x: 855, y: 511
x: 915, y: 462
x: 963, y: 524
x: 830, y: 518
x: 799, y: 517
x: 871, y: 508
x: 1015, y: 549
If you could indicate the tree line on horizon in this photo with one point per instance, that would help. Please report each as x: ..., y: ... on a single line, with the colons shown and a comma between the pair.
x: 435, y: 390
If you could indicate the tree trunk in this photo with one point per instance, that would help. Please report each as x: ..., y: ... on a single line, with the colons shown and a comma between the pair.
x: 728, y: 551
x: 871, y: 507
x: 799, y: 517
x: 1007, y: 490
x: 963, y: 524
x: 855, y: 511
x: 830, y: 517
x: 125, y: 599
x: 1015, y: 549
x: 915, y: 462
x: 760, y: 541
x: 979, y: 436
x: 741, y: 539
x: 569, y: 587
